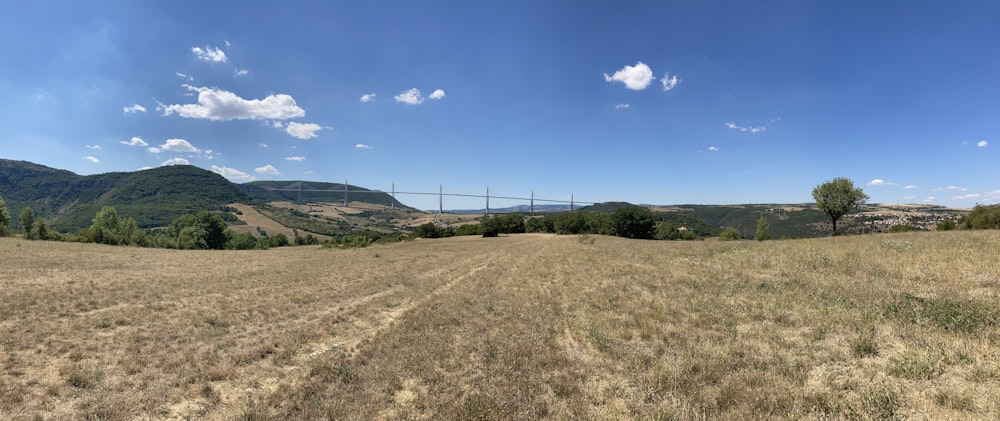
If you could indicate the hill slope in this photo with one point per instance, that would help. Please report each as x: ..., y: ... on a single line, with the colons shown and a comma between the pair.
x: 315, y: 191
x: 152, y: 197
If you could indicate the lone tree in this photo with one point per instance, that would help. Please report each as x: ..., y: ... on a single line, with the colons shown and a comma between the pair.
x: 27, y: 222
x: 763, y: 231
x: 838, y: 197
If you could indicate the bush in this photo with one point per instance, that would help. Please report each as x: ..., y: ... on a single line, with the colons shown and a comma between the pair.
x: 729, y: 234
x: 983, y: 217
x: 245, y: 241
x: 540, y: 224
x: 428, y: 230
x: 946, y: 225
x: 469, y: 229
x: 902, y: 228
x: 763, y: 230
x: 632, y: 222
x: 570, y: 223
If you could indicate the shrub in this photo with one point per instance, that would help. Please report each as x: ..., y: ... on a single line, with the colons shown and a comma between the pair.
x: 946, y: 225
x: 763, y: 230
x: 983, y: 217
x: 570, y: 223
x: 540, y: 224
x: 729, y: 234
x: 902, y: 228
x: 633, y: 222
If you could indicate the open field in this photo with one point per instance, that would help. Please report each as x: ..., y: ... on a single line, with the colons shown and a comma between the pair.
x: 516, y: 327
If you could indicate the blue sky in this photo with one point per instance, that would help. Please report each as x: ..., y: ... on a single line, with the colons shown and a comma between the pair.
x: 714, y: 102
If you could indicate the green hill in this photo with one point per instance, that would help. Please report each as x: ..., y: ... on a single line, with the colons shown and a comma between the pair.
x: 154, y: 197
x: 314, y: 191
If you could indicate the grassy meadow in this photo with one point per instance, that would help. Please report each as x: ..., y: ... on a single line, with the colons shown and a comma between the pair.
x: 517, y: 327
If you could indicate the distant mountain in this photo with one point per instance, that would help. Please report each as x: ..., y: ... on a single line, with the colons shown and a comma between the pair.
x: 315, y: 191
x: 154, y: 197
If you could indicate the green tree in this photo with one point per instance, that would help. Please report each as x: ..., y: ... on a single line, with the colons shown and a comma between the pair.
x: 763, y: 230
x: 204, y: 230
x: 946, y: 225
x: 837, y: 198
x: 983, y: 217
x: 42, y: 230
x: 633, y: 222
x: 27, y: 221
x: 4, y: 219
x: 729, y: 234
x: 570, y: 223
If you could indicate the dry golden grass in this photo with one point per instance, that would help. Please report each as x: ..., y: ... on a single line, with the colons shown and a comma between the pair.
x: 518, y: 327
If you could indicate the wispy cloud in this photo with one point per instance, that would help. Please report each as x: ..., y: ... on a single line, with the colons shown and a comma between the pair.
x: 232, y: 173
x: 184, y: 76
x: 910, y: 187
x: 295, y: 158
x: 135, y: 108
x: 930, y: 199
x: 622, y: 106
x: 367, y: 97
x: 877, y: 182
x: 267, y: 169
x: 216, y: 104
x: 636, y: 77
x: 362, y: 146
x: 210, y: 54
x: 967, y: 196
x: 669, y: 82
x: 263, y: 145
x: 95, y: 147
x: 411, y: 96
x: 954, y: 188
x: 302, y: 130
x: 240, y: 72
x: 713, y: 149
x: 135, y: 141
x: 437, y: 94
x: 92, y: 159
x: 750, y: 129
x: 983, y: 144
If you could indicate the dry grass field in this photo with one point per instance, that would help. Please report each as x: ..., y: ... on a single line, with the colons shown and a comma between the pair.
x: 517, y: 327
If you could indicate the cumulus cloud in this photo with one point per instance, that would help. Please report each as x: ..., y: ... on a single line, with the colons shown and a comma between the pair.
x: 295, y: 158
x: 877, y: 182
x: 411, y: 96
x: 713, y: 149
x: 232, y: 174
x: 750, y: 129
x: 267, y: 169
x: 437, y: 94
x: 241, y: 72
x: 175, y: 161
x: 983, y: 144
x: 92, y: 159
x: 669, y: 82
x: 178, y: 145
x: 636, y: 77
x: 210, y: 54
x: 362, y: 146
x: 95, y: 147
x: 302, y: 130
x: 135, y: 141
x: 216, y: 104
x: 622, y: 106
x: 367, y: 97
x: 135, y: 108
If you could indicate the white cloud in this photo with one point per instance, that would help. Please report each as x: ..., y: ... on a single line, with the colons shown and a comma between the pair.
x: 184, y: 76
x: 302, y: 130
x: 135, y: 141
x: 622, y: 106
x: 95, y: 147
x: 241, y: 72
x: 909, y: 197
x: 277, y: 125
x: 135, y: 108
x: 437, y: 94
x: 967, y: 196
x: 175, y: 161
x: 227, y: 43
x: 713, y: 148
x: 983, y: 144
x: 669, y: 82
x: 92, y: 159
x: 267, y: 169
x: 153, y: 149
x: 367, y: 97
x: 178, y: 145
x: 636, y: 77
x: 750, y: 129
x: 215, y: 104
x: 362, y: 146
x: 232, y: 174
x: 411, y: 97
x: 877, y: 182
x: 952, y: 188
x: 909, y: 187
x: 210, y: 54
x: 144, y: 168
x: 295, y: 158
x: 930, y: 199
x: 262, y: 145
